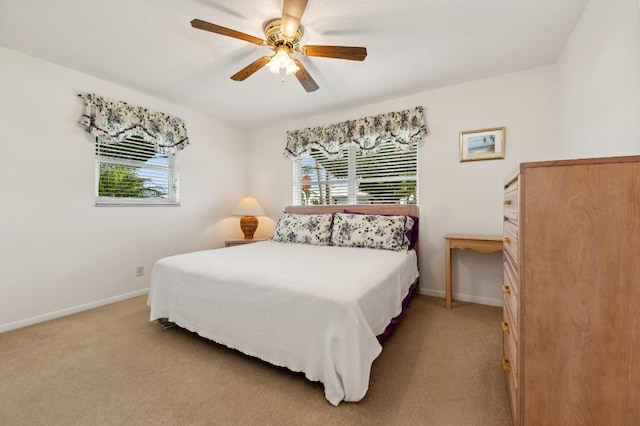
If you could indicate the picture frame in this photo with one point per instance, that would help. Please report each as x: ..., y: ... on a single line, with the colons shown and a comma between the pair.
x: 484, y: 144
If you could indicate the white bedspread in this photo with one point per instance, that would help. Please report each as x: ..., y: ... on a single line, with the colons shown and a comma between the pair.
x: 313, y: 309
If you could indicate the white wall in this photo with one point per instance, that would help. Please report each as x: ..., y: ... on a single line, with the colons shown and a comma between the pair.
x: 599, y: 75
x: 58, y: 252
x: 454, y: 197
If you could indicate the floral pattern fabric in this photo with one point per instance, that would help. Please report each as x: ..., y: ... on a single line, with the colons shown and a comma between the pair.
x: 114, y: 121
x: 371, y: 231
x: 404, y: 128
x: 303, y: 229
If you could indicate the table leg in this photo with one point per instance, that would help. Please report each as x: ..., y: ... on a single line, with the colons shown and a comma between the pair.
x: 448, y: 279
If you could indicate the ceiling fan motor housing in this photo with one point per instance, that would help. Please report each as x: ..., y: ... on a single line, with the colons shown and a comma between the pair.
x: 275, y: 39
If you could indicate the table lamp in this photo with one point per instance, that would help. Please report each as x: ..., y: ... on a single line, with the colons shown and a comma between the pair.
x: 248, y: 208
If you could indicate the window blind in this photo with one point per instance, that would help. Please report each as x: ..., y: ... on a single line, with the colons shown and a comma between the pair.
x: 388, y: 176
x: 132, y: 172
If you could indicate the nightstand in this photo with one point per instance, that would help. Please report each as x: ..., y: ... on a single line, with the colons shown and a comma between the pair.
x: 231, y: 243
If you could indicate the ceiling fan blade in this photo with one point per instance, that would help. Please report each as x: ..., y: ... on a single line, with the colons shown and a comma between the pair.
x: 247, y: 71
x: 207, y: 26
x: 292, y: 11
x: 304, y: 78
x: 339, y: 52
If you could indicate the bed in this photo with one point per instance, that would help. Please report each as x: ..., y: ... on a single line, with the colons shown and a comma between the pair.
x: 316, y: 306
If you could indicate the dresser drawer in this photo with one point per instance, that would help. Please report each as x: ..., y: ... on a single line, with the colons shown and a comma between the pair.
x: 509, y: 324
x: 510, y: 208
x: 511, y: 267
x: 509, y: 361
x: 511, y: 239
x: 510, y: 331
x: 513, y: 396
x: 510, y: 286
x: 512, y: 185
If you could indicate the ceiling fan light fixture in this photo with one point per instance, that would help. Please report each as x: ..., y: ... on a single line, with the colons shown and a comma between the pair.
x: 281, y: 63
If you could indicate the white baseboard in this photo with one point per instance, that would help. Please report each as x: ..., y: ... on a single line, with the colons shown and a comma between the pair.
x: 463, y: 297
x: 68, y: 311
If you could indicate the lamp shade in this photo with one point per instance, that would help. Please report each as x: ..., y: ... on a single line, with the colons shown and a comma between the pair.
x: 248, y: 206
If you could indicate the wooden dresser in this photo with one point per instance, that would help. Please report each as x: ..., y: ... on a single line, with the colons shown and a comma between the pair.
x: 571, y: 318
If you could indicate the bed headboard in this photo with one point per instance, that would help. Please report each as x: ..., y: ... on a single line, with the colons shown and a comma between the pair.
x: 392, y: 209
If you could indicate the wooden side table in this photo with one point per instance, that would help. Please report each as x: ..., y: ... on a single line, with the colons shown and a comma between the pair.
x: 231, y: 243
x: 479, y: 243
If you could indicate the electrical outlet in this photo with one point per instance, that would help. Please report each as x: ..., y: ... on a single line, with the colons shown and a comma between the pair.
x: 139, y: 271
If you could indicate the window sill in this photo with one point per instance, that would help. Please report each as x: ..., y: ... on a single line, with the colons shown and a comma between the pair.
x: 135, y: 204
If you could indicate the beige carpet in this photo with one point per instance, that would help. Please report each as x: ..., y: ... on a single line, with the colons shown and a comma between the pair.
x: 110, y: 366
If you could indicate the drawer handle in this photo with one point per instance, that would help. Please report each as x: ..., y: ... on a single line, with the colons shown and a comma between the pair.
x: 506, y: 289
x: 505, y: 327
x: 506, y: 240
x: 507, y: 202
x: 505, y: 365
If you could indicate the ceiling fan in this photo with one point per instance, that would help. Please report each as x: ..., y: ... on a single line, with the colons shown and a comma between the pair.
x: 283, y: 37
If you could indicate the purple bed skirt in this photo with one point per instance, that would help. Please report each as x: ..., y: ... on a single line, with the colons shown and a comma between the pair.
x: 396, y: 320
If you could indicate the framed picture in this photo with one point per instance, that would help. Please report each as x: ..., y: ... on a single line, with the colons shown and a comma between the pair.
x: 485, y: 144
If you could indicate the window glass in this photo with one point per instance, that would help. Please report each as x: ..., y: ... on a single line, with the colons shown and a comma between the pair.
x: 386, y: 177
x: 133, y: 173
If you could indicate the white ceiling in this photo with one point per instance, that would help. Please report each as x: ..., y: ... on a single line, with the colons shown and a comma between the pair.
x: 413, y: 45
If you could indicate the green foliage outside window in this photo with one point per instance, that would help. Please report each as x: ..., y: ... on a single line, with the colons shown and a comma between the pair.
x: 121, y: 181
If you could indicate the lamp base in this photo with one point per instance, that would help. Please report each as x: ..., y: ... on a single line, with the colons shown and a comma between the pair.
x: 248, y: 224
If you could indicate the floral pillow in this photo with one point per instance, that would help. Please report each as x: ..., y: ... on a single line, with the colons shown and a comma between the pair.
x: 411, y: 228
x: 312, y: 229
x: 371, y: 231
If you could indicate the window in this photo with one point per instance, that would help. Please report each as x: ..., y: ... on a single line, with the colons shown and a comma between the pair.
x: 389, y: 176
x: 133, y: 173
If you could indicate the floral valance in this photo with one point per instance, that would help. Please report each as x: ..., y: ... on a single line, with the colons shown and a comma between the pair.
x: 404, y: 128
x: 114, y: 121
